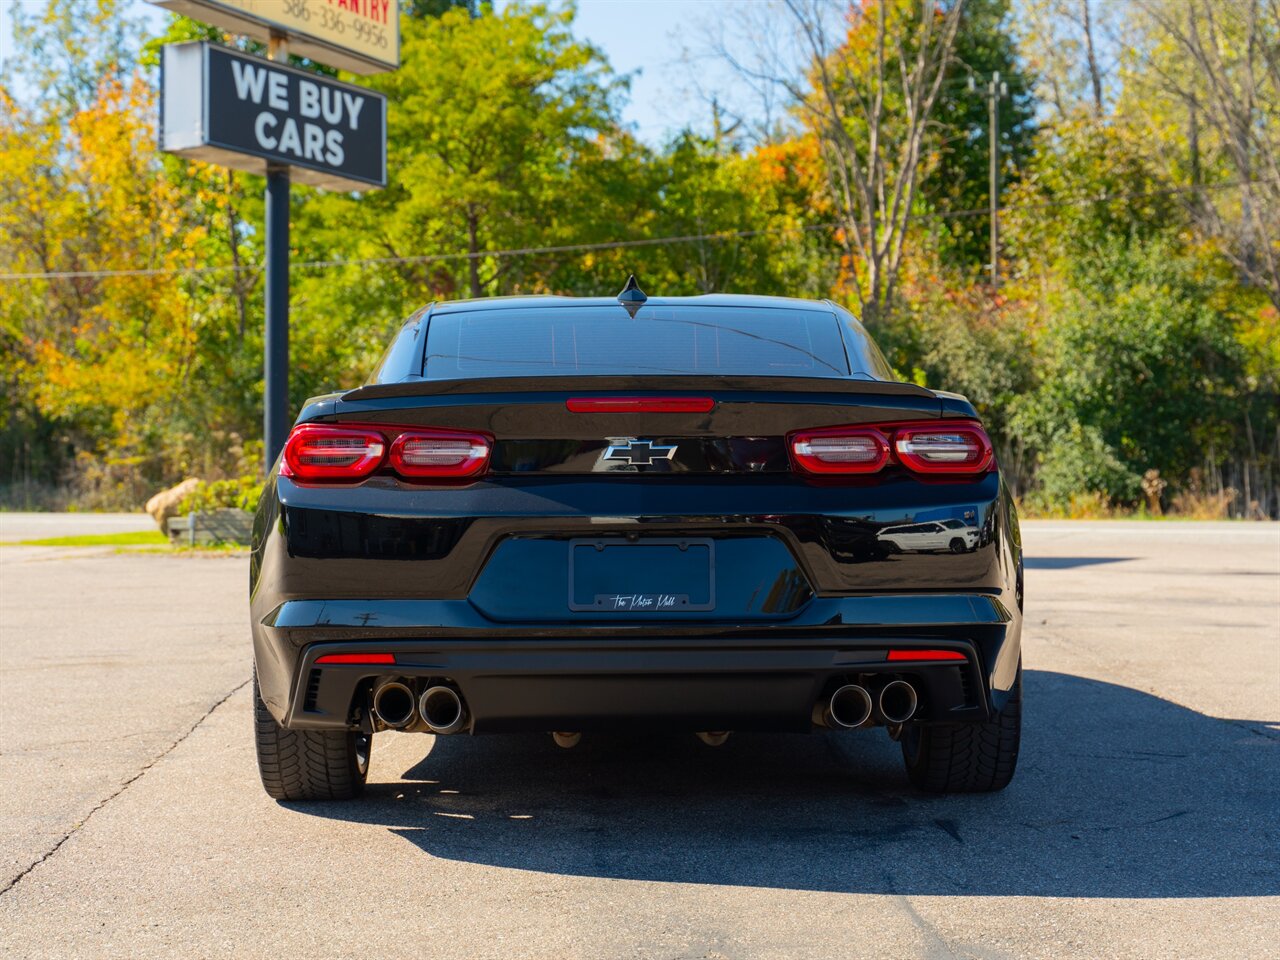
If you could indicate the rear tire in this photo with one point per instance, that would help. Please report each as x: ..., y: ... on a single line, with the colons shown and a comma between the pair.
x: 308, y: 764
x: 966, y: 757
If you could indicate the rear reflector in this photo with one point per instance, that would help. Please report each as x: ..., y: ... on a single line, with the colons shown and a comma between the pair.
x: 360, y: 658
x: 900, y: 655
x: 440, y: 453
x: 640, y: 404
x: 840, y: 450
x: 321, y: 451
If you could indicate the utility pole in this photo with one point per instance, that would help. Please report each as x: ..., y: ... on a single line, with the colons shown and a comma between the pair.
x: 275, y: 360
x: 996, y: 88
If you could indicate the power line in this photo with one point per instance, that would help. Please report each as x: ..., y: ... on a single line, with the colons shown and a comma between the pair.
x: 615, y: 244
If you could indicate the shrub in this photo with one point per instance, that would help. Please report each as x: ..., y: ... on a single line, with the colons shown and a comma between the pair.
x: 1079, y: 461
x: 1141, y: 371
x: 241, y: 493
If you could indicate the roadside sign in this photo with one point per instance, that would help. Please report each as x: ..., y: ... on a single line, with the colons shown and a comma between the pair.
x: 362, y: 36
x: 240, y: 111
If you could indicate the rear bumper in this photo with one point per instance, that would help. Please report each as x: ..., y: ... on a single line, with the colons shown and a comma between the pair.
x: 703, y: 677
x: 470, y: 585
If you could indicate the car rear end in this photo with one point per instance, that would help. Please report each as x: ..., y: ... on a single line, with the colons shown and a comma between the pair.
x: 553, y: 515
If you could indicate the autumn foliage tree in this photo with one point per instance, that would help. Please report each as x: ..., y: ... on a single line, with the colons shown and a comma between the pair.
x: 1136, y: 327
x: 97, y: 327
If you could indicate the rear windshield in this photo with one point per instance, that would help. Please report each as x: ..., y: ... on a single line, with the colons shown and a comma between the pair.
x: 547, y: 341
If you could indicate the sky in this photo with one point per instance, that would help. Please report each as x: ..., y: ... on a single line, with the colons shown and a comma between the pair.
x: 660, y: 43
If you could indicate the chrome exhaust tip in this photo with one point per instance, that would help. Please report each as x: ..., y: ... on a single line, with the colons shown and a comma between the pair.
x: 442, y: 710
x: 393, y: 704
x: 898, y: 701
x: 849, y: 707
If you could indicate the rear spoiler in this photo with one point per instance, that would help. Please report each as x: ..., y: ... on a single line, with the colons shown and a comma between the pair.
x: 638, y: 383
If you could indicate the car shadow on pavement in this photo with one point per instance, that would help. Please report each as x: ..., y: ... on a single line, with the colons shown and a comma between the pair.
x: 1118, y: 794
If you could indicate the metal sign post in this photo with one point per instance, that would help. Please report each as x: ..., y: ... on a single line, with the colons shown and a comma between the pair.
x: 275, y: 359
x: 275, y: 340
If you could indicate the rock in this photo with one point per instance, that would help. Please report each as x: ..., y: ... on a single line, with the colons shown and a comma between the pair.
x: 165, y: 503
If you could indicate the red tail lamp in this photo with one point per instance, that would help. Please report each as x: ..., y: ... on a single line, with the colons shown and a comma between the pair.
x: 343, y: 453
x: 956, y: 448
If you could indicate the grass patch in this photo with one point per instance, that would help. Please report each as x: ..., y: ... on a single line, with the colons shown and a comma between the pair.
x: 199, y: 550
x: 132, y: 538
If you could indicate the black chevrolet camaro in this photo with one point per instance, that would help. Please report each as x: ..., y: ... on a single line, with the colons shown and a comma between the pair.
x: 705, y: 514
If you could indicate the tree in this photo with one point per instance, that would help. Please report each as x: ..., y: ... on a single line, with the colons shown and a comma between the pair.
x: 487, y: 118
x: 1062, y: 40
x: 95, y: 344
x: 867, y: 95
x: 751, y: 213
x: 1141, y: 369
x: 424, y: 9
x: 1220, y: 61
x: 64, y: 52
x: 1086, y: 184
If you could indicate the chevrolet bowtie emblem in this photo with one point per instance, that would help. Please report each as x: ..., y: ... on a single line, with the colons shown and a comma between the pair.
x: 637, y: 452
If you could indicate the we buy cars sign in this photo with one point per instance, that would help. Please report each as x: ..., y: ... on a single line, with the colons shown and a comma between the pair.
x: 240, y: 111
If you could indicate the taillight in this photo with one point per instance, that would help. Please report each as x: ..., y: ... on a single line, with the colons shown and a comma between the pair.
x: 840, y: 450
x: 321, y: 451
x: 640, y: 404
x: 440, y: 453
x: 943, y: 448
x: 340, y: 453
x: 362, y: 659
x: 939, y: 447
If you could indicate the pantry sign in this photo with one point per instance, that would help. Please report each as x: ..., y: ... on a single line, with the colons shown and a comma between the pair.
x: 362, y: 36
x: 240, y: 111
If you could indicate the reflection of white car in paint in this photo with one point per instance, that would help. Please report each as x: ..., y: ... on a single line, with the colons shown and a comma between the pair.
x: 954, y: 535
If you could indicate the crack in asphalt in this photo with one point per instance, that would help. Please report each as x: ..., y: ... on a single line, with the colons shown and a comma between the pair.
x: 936, y: 946
x: 1266, y: 730
x: 76, y: 828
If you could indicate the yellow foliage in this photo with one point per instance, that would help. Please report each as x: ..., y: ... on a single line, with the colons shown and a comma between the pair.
x: 88, y: 197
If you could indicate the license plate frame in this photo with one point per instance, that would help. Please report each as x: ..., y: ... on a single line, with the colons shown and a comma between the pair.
x: 621, y: 600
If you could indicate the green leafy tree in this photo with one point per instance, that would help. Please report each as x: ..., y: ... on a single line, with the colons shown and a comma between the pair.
x: 423, y: 9
x: 487, y: 117
x: 1087, y: 183
x: 1141, y: 370
x: 64, y: 51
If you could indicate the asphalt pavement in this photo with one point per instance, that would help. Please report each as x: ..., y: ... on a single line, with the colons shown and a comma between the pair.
x: 1144, y: 820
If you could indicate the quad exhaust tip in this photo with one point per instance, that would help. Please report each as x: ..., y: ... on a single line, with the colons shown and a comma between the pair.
x: 849, y: 707
x: 898, y: 701
x: 442, y: 710
x: 393, y: 704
